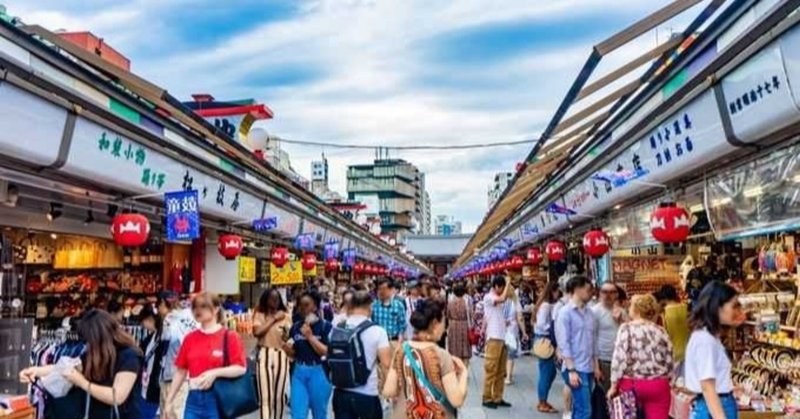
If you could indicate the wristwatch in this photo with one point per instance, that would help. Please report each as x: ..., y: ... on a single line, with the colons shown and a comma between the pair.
x: 571, y: 370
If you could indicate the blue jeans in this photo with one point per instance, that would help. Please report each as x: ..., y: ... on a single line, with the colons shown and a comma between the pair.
x: 310, y: 389
x: 581, y: 396
x: 547, y: 373
x: 149, y: 410
x: 201, y: 404
x: 700, y: 410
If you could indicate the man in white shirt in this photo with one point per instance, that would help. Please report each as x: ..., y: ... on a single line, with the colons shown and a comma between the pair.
x: 608, y: 317
x: 494, y: 323
x: 363, y: 402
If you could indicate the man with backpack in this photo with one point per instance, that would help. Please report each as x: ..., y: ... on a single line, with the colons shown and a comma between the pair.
x: 356, y: 349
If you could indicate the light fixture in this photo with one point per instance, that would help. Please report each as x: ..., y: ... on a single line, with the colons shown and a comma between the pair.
x: 53, y: 236
x: 720, y: 202
x: 618, y: 206
x: 696, y: 208
x: 89, y: 217
x: 796, y: 179
x: 54, y: 212
x: 753, y: 192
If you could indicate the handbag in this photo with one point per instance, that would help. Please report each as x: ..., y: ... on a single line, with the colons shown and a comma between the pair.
x: 511, y: 341
x: 473, y: 336
x: 543, y: 348
x: 437, y: 395
x: 235, y: 396
x: 623, y: 406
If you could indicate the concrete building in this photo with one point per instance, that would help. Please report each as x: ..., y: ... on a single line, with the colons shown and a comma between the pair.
x: 500, y: 183
x: 446, y: 225
x: 394, y: 190
x: 426, y: 217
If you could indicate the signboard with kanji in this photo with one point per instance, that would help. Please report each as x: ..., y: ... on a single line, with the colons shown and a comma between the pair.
x: 183, y: 216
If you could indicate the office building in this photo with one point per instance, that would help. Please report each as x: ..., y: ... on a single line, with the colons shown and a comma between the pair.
x: 446, y: 225
x: 500, y: 183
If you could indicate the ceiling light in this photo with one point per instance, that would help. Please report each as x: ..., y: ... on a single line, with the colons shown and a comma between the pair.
x: 696, y: 208
x: 720, y: 202
x: 796, y: 179
x: 53, y: 236
x: 753, y: 192
x: 618, y: 206
x: 54, y: 212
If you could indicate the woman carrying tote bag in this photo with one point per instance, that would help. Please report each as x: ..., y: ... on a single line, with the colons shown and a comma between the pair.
x: 206, y: 355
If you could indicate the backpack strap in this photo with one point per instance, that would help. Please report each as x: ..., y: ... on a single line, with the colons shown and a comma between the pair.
x: 424, y: 380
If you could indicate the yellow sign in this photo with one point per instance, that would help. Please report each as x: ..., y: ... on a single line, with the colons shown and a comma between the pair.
x: 289, y: 274
x: 247, y: 269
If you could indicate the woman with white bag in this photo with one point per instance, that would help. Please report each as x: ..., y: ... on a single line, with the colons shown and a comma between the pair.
x: 515, y: 331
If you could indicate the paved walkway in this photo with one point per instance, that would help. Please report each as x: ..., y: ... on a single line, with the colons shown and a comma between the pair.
x: 521, y: 395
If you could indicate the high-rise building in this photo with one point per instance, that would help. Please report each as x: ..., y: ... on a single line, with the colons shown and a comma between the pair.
x: 426, y: 218
x: 501, y: 181
x: 446, y: 225
x: 393, y: 189
x: 319, y: 176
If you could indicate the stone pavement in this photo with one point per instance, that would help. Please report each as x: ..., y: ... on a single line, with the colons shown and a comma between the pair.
x: 522, y: 394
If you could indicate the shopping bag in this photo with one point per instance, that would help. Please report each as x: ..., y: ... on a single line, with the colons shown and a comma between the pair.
x: 623, y: 406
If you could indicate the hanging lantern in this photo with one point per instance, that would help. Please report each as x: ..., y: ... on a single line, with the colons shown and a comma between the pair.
x: 507, y: 265
x: 595, y: 243
x: 670, y: 223
x: 279, y: 256
x: 230, y: 246
x: 535, y: 256
x: 130, y: 230
x: 517, y: 262
x: 358, y: 268
x: 555, y: 251
x: 331, y: 265
x: 308, y: 261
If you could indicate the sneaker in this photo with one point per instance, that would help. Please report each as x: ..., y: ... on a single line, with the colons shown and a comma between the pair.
x: 566, y: 415
x: 490, y: 405
x: 503, y: 403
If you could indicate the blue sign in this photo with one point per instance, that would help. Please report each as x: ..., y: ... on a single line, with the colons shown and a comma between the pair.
x: 559, y: 209
x: 265, y: 224
x: 183, y: 216
x: 305, y: 241
x: 331, y: 249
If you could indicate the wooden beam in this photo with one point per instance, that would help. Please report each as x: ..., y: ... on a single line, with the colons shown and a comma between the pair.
x: 627, y: 68
x: 651, y: 21
x: 600, y: 104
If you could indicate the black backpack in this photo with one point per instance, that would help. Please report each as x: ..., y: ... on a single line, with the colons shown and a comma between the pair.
x: 347, y: 362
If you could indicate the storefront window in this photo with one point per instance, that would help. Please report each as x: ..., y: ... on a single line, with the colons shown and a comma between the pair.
x: 760, y: 197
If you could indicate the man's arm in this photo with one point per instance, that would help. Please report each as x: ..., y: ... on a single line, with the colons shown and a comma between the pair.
x: 503, y: 297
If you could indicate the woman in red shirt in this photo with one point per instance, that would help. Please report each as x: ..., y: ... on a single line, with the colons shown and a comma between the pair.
x: 201, y: 357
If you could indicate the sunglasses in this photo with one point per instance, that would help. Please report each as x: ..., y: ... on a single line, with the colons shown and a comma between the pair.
x: 608, y: 292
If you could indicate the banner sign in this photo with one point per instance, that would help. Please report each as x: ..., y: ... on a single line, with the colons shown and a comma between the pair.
x: 349, y: 258
x: 331, y: 249
x: 247, y: 269
x: 305, y: 241
x: 290, y: 274
x: 183, y: 216
x: 263, y: 225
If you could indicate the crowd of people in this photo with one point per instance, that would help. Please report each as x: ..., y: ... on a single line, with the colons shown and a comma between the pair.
x: 404, y: 349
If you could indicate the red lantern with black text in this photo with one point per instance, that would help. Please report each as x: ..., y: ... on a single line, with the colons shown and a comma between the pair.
x: 279, y: 256
x: 331, y: 265
x: 555, y: 251
x: 358, y: 268
x: 535, y: 256
x: 517, y: 263
x: 670, y: 223
x: 309, y: 261
x: 130, y: 230
x: 595, y: 243
x: 230, y: 246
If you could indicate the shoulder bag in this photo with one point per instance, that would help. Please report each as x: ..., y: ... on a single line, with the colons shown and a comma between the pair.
x: 235, y: 396
x: 437, y: 395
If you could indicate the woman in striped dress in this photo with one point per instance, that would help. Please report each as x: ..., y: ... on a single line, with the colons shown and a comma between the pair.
x: 271, y: 325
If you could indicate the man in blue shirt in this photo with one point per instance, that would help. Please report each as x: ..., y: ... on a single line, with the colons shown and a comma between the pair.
x: 577, y: 343
x: 389, y: 312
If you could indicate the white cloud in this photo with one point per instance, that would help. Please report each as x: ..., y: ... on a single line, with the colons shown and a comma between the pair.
x: 370, y: 68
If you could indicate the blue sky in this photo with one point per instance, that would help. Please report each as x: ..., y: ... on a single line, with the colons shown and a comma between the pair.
x: 369, y: 71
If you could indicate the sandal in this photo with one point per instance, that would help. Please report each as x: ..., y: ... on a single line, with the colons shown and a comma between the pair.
x: 546, y: 408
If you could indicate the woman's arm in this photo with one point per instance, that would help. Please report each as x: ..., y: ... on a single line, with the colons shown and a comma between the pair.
x: 117, y: 394
x: 260, y: 328
x: 30, y: 374
x: 390, y: 388
x: 177, y: 381
x: 712, y: 398
x: 231, y: 371
x: 455, y: 388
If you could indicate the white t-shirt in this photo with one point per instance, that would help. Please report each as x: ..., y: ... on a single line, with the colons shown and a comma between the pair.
x: 544, y: 318
x: 707, y: 359
x: 494, y: 317
x: 374, y: 339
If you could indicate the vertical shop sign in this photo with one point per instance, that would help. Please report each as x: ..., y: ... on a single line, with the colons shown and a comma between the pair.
x: 183, y: 216
x: 247, y: 269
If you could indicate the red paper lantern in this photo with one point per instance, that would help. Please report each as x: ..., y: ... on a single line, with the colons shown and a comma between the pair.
x: 507, y: 265
x: 670, y: 223
x: 279, y: 256
x: 595, y: 243
x: 230, y: 246
x: 555, y: 251
x: 309, y: 261
x: 331, y: 265
x: 517, y: 262
x: 535, y: 256
x: 130, y: 230
x: 358, y: 268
